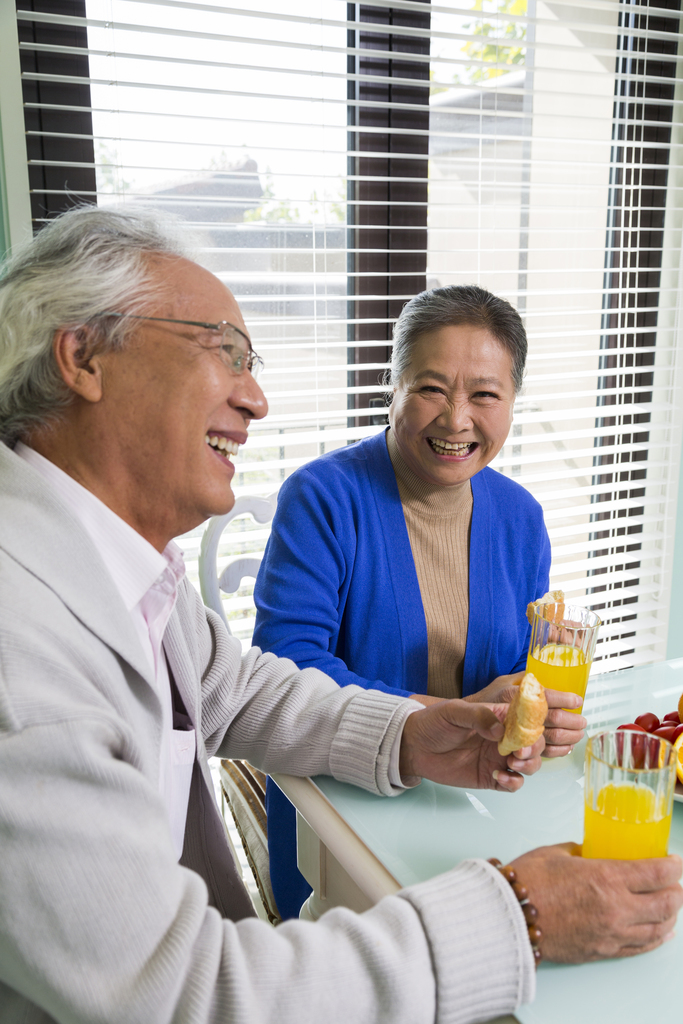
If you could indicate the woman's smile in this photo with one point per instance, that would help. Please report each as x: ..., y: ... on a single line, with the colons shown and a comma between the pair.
x: 452, y: 450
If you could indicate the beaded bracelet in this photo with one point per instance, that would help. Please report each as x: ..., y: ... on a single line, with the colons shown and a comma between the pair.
x: 528, y: 909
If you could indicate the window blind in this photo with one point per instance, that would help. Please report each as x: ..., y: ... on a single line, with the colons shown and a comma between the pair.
x: 333, y: 159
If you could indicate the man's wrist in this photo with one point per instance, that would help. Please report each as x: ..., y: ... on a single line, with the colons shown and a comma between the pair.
x: 405, y: 766
x: 394, y: 773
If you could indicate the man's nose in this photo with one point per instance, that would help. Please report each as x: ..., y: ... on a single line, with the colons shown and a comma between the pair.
x: 248, y: 397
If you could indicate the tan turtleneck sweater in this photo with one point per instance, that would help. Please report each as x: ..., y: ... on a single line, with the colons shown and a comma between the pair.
x: 438, y: 522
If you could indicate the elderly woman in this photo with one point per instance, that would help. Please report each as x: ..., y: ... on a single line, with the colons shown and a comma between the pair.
x: 403, y: 563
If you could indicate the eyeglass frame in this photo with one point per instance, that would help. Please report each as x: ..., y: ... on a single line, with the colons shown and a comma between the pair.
x: 254, y: 361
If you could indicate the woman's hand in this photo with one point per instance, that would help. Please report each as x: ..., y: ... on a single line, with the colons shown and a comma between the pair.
x: 456, y: 743
x: 563, y: 729
x: 595, y: 909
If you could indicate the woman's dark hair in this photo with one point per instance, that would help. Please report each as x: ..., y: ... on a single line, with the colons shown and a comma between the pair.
x: 458, y: 304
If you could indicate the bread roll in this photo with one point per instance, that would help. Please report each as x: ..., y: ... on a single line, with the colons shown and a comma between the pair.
x: 553, y: 613
x: 526, y: 716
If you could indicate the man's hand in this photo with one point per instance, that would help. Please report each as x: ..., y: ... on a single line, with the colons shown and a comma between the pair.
x: 596, y: 909
x: 456, y: 743
x: 425, y: 699
x: 563, y: 729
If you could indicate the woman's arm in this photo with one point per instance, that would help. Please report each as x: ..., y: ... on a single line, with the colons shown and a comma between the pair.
x: 303, y: 577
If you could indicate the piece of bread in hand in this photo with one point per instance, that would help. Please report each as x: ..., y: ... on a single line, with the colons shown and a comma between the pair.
x: 526, y: 716
x: 554, y: 598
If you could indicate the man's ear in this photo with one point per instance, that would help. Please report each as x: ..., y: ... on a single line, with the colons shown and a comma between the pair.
x: 79, y: 366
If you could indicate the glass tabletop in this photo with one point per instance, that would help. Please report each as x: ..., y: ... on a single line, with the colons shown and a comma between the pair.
x: 429, y: 829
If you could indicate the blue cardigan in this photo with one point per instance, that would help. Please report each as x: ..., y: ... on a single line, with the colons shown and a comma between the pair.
x: 338, y: 591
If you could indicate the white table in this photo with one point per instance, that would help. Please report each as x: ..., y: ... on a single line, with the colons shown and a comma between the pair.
x: 355, y: 848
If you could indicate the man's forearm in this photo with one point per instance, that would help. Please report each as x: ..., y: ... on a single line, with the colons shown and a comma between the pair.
x: 302, y: 723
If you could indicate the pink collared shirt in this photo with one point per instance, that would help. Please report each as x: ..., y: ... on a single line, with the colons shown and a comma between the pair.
x: 148, y: 584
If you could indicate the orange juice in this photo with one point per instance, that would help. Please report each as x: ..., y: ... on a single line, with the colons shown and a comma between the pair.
x: 628, y: 824
x: 560, y: 667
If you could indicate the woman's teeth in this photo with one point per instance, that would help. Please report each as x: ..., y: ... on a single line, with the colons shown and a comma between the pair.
x: 446, y: 448
x: 224, y: 446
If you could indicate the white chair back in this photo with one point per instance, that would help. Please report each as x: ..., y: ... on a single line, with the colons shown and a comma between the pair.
x: 211, y: 584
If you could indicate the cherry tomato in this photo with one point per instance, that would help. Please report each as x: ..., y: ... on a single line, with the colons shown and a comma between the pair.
x: 679, y: 730
x: 666, y: 732
x: 673, y: 716
x: 631, y: 754
x: 648, y: 721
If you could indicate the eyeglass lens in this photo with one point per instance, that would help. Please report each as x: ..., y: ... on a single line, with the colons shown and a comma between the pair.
x: 237, y: 354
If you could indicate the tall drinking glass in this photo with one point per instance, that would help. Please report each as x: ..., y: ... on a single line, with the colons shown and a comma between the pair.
x: 563, y: 639
x: 628, y: 795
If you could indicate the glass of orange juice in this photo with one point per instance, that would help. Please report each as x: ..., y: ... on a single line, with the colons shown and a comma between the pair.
x: 562, y: 645
x: 628, y: 795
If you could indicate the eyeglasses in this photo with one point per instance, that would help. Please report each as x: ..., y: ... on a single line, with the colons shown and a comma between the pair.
x: 235, y: 347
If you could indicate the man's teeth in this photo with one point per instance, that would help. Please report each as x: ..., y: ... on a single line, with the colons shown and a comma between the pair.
x: 224, y: 445
x: 445, y: 447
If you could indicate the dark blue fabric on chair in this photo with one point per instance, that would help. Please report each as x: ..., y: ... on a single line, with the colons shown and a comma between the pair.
x: 290, y: 888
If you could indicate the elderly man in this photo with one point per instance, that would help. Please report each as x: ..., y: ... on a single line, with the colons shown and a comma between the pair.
x: 121, y: 362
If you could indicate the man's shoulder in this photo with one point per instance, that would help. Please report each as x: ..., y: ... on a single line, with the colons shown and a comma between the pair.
x: 200, y: 625
x: 24, y: 595
x: 52, y: 667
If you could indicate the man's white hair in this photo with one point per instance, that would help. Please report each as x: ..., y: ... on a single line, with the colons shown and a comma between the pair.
x: 84, y: 262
